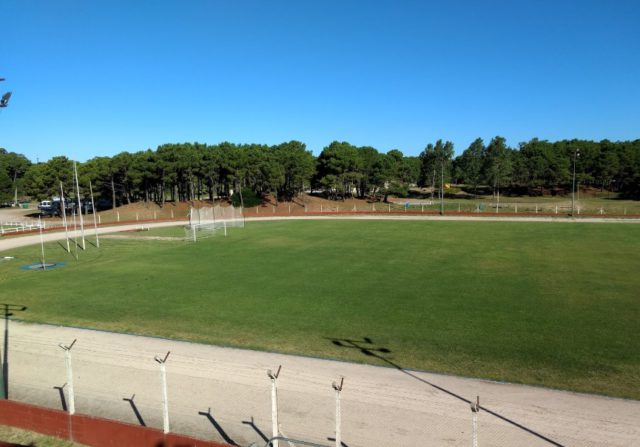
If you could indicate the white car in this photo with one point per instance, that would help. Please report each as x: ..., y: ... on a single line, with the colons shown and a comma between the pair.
x: 44, y: 205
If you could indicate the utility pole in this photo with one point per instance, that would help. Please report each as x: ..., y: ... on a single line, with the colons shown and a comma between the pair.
x: 75, y: 171
x: 95, y: 223
x: 442, y: 186
x: 576, y: 154
x: 63, y: 205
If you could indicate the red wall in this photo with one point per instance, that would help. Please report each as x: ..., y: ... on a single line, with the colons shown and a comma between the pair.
x: 91, y: 431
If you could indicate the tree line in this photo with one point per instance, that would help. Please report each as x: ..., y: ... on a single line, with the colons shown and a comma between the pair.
x: 193, y: 171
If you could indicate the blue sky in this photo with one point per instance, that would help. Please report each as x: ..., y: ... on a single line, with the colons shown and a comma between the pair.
x: 92, y: 78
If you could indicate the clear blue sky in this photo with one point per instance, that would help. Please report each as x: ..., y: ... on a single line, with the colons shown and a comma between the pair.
x: 96, y: 78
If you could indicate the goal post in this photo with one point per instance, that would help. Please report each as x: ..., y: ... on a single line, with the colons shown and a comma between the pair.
x: 206, y: 222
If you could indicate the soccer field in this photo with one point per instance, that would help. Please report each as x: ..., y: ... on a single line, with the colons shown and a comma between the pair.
x: 554, y: 304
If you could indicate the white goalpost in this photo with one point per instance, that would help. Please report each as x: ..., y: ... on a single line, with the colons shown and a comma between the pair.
x: 207, y: 222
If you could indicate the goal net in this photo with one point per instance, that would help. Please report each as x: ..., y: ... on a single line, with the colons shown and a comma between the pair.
x: 213, y: 221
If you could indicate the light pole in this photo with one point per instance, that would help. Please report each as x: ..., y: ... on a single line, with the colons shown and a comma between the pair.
x: 442, y: 187
x: 576, y: 154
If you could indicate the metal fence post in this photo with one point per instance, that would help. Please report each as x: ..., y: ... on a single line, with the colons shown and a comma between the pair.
x: 475, y: 409
x: 67, y: 360
x: 338, y: 389
x: 165, y: 400
x: 274, y: 404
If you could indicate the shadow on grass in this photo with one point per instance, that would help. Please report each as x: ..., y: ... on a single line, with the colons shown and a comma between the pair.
x: 367, y: 347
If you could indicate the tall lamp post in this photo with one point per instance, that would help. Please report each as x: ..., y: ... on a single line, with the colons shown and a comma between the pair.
x: 576, y: 154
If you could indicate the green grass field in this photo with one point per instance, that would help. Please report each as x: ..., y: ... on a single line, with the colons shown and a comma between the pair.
x: 553, y: 304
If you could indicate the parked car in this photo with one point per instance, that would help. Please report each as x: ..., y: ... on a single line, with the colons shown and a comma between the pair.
x: 45, y: 205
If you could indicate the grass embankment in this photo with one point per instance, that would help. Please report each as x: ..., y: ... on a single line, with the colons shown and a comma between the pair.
x: 539, y: 303
x: 31, y: 439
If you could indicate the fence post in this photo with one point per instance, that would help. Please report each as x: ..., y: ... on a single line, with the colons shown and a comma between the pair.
x: 556, y: 209
x: 274, y: 404
x: 475, y: 409
x: 67, y: 361
x: 118, y: 216
x: 338, y: 389
x: 165, y: 400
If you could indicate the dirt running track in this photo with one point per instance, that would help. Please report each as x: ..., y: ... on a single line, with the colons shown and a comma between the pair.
x: 224, y: 394
x: 9, y: 242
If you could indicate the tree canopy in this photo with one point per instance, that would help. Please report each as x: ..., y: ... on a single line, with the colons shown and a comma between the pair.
x: 191, y: 171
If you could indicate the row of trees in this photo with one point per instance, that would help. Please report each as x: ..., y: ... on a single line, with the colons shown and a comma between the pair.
x: 195, y: 171
x: 537, y: 164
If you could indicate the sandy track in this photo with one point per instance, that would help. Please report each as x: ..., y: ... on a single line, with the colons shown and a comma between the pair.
x: 381, y: 406
x: 9, y: 242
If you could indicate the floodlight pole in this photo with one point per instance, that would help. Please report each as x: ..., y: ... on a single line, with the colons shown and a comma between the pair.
x: 44, y: 266
x: 75, y: 171
x: 63, y: 205
x: 442, y: 187
x: 274, y: 404
x: 165, y: 400
x: 338, y: 389
x: 67, y: 359
x: 576, y: 154
x: 95, y: 223
x: 75, y: 232
x: 475, y: 409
